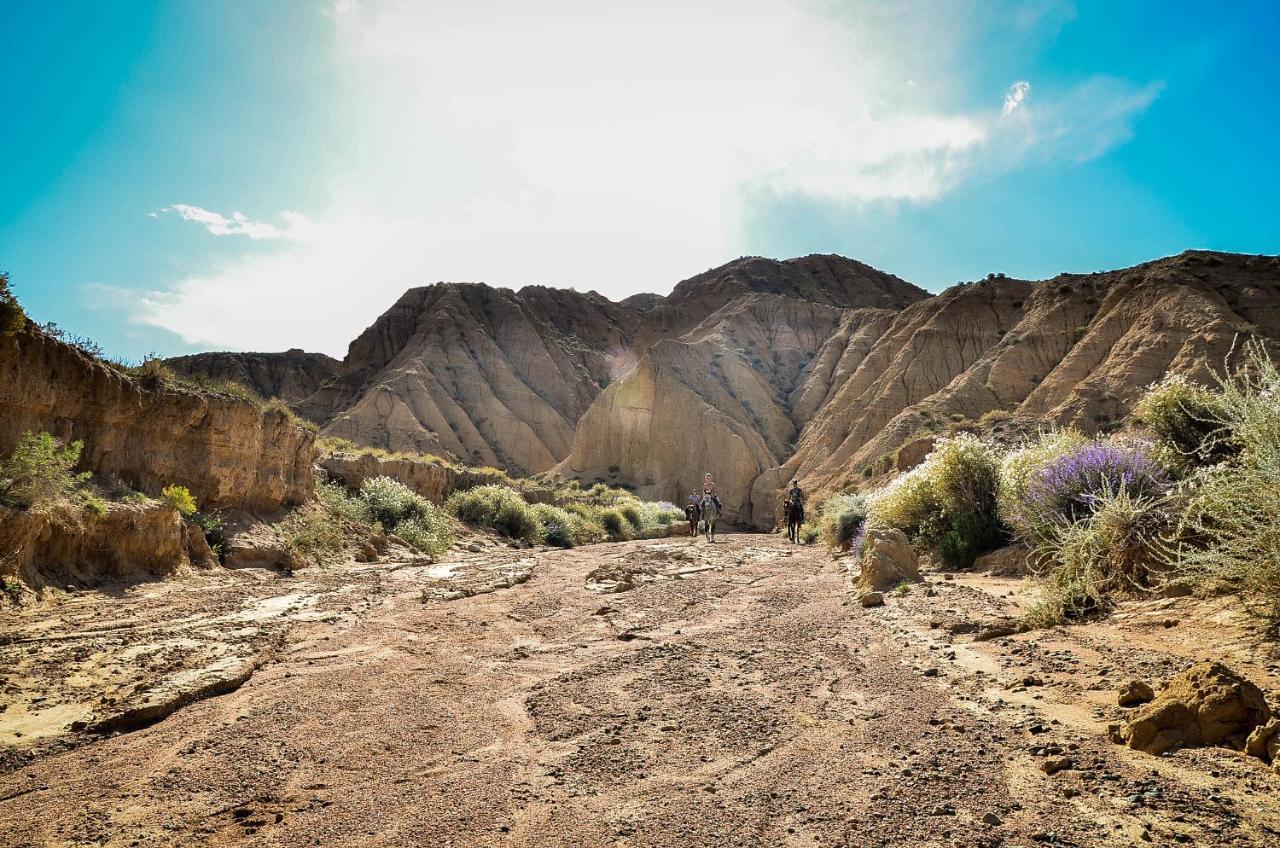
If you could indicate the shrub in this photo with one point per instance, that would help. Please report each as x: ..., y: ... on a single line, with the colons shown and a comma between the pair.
x: 11, y: 315
x: 1020, y: 465
x: 429, y: 533
x: 840, y: 519
x: 212, y: 526
x: 180, y: 498
x: 338, y: 500
x: 1231, y: 527
x: 1115, y: 549
x: 1070, y: 487
x: 1188, y: 422
x: 947, y: 502
x: 153, y: 375
x: 809, y: 535
x: 557, y: 525
x: 313, y: 535
x: 93, y: 505
x: 40, y: 471
x: 390, y: 501
x: 631, y: 512
x: 498, y: 508
x: 612, y: 521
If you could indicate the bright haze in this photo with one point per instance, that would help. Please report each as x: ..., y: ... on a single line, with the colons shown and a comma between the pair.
x: 188, y: 176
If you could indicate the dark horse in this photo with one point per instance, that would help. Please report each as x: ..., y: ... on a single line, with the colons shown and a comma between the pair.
x: 793, y: 513
x: 693, y: 513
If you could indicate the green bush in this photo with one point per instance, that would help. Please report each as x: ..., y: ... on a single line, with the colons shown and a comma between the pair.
x: 180, y: 498
x: 1018, y: 469
x: 557, y: 525
x: 336, y: 497
x: 93, y: 505
x: 429, y: 533
x: 11, y: 315
x: 39, y: 471
x: 498, y: 508
x: 839, y: 520
x: 313, y: 535
x: 612, y: 521
x: 1116, y: 549
x: 391, y: 501
x: 631, y: 512
x: 947, y: 502
x: 1188, y: 422
x: 1230, y: 534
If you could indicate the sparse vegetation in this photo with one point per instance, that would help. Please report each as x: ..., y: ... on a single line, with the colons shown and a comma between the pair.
x: 401, y: 511
x: 180, y: 498
x: 496, y: 508
x: 313, y: 535
x: 40, y: 471
x: 839, y: 520
x: 11, y: 314
x: 948, y: 502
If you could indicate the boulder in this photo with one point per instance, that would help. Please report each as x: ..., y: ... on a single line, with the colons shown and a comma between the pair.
x: 871, y: 599
x: 1208, y: 704
x: 887, y: 560
x: 1134, y: 693
x: 913, y: 453
x: 1010, y: 561
x: 1264, y: 743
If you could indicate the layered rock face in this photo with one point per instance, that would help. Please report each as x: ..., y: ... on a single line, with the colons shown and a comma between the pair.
x: 491, y: 376
x: 1075, y: 350
x: 291, y: 376
x: 228, y: 452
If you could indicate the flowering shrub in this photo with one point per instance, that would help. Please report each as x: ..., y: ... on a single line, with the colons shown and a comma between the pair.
x: 1068, y: 489
x: 947, y: 502
x: 841, y: 519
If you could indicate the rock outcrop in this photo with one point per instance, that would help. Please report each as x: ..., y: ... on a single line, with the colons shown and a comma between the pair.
x: 489, y: 376
x: 227, y: 451
x: 1207, y: 704
x: 292, y: 376
x: 67, y: 546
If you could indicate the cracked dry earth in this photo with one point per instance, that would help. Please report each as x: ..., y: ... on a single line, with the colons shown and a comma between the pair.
x: 661, y: 693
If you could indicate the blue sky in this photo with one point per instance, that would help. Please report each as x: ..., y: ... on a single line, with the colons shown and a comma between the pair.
x: 188, y: 176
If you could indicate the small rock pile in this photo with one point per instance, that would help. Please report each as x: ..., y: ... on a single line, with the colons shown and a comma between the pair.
x: 1206, y: 705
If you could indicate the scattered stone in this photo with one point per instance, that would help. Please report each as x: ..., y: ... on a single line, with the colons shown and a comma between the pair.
x: 991, y: 819
x: 1135, y: 693
x: 1208, y: 704
x: 1053, y: 765
x: 871, y: 599
x: 1264, y: 743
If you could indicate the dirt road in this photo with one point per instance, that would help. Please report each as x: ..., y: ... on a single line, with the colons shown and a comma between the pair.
x: 657, y: 693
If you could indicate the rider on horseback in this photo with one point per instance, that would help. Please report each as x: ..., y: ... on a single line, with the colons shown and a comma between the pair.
x: 709, y: 489
x: 795, y: 495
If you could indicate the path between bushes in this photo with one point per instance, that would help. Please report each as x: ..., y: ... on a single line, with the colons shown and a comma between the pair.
x: 665, y: 693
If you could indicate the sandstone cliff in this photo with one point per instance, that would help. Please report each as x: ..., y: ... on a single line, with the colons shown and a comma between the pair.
x: 1074, y: 350
x: 228, y: 452
x: 490, y: 376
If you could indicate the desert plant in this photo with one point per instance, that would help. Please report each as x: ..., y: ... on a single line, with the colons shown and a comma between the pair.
x: 180, y: 498
x: 497, y: 508
x: 1071, y: 487
x: 94, y: 505
x: 313, y: 535
x: 612, y: 521
x: 429, y: 532
x: 336, y: 497
x: 152, y: 374
x: 1187, y: 419
x: 1114, y: 550
x: 391, y: 501
x: 40, y: 471
x: 631, y: 512
x: 840, y: 519
x: 1230, y: 535
x: 11, y: 315
x: 947, y: 502
x: 1018, y: 467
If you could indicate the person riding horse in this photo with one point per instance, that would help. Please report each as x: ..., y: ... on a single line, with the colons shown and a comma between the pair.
x: 709, y: 489
x: 793, y: 511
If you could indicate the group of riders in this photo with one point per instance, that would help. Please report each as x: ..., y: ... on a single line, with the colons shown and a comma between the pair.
x: 704, y: 508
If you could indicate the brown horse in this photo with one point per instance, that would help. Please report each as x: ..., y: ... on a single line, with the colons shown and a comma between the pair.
x: 693, y: 514
x: 793, y: 514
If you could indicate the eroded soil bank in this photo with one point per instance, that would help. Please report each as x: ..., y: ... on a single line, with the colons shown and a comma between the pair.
x: 656, y: 693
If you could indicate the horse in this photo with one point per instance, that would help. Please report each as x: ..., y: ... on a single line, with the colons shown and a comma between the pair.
x: 692, y: 513
x: 793, y: 514
x: 710, y: 515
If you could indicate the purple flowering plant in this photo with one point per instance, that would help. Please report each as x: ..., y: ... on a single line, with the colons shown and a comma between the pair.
x: 1068, y: 489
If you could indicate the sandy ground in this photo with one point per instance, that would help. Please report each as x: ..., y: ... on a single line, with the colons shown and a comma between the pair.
x: 658, y: 693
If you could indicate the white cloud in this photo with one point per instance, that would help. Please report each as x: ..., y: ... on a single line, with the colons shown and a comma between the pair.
x: 1013, y: 98
x: 238, y: 225
x: 607, y: 146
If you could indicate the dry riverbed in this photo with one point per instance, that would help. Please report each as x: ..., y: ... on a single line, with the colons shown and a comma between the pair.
x: 655, y: 693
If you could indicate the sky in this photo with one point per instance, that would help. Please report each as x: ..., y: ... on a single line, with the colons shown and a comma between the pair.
x: 184, y: 176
